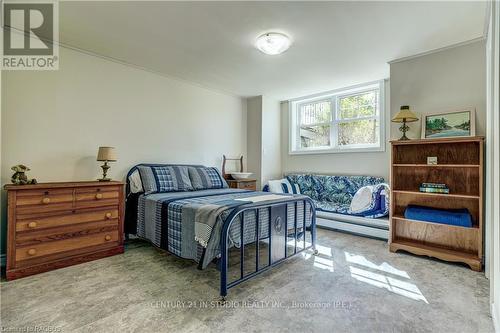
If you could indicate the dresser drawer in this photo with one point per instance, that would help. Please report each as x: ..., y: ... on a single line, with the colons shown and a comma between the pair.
x: 34, y: 223
x: 247, y: 185
x: 44, y: 200
x: 37, y: 237
x: 97, y: 196
x: 76, y: 243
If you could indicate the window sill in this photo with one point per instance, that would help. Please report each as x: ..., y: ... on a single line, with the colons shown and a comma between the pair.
x: 337, y: 151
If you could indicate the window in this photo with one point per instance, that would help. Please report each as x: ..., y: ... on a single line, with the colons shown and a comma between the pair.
x: 345, y: 120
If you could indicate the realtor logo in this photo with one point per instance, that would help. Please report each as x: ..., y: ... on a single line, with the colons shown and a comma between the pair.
x: 29, y: 29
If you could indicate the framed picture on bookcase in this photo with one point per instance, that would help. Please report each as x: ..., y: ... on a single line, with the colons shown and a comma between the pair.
x: 448, y: 124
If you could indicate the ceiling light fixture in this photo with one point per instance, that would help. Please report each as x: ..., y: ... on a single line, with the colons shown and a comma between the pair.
x: 273, y: 43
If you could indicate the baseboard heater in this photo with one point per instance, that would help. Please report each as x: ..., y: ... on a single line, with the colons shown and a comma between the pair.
x: 376, y: 228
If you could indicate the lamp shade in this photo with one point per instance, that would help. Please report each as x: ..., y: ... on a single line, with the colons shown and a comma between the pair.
x: 405, y: 114
x: 106, y: 154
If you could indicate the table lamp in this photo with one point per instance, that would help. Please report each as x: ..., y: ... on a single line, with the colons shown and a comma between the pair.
x: 405, y: 115
x: 106, y: 154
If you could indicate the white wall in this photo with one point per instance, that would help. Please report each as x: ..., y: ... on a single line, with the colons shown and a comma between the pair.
x: 2, y: 195
x: 271, y: 139
x: 263, y: 141
x: 450, y: 79
x: 54, y: 121
x: 361, y: 163
x: 254, y: 137
x: 493, y: 160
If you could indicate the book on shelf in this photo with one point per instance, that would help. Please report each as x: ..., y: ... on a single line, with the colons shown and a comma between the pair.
x: 435, y: 190
x: 434, y: 185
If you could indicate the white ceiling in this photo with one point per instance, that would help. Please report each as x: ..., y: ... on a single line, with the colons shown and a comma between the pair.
x: 211, y: 43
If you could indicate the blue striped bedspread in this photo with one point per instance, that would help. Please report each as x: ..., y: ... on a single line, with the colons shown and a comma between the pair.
x: 169, y: 220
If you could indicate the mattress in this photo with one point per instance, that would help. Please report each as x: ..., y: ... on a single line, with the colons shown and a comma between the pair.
x: 171, y: 220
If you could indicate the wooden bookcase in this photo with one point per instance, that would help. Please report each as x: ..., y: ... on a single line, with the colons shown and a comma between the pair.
x: 460, y: 166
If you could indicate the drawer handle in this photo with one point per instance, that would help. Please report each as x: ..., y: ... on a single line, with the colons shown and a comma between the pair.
x: 107, y: 237
x: 31, y: 252
x: 108, y: 215
x: 45, y: 200
x: 98, y: 196
x: 32, y: 225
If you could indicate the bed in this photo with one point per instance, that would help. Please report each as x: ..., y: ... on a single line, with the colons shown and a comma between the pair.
x: 203, y: 223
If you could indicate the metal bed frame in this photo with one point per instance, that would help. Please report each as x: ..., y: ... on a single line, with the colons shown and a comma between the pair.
x: 277, y: 236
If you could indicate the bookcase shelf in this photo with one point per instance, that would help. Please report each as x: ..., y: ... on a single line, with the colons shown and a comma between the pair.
x: 460, y: 167
x: 439, y: 225
x: 438, y: 165
x: 450, y: 195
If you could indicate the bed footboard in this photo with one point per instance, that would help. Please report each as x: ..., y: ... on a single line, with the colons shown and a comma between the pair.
x: 283, y: 239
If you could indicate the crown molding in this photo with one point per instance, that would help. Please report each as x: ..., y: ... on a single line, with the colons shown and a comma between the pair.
x: 452, y: 46
x: 129, y: 64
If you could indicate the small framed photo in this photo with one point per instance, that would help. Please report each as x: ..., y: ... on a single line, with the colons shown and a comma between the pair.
x: 432, y: 160
x: 449, y: 124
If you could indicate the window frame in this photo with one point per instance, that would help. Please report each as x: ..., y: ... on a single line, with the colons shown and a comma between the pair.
x: 334, y: 98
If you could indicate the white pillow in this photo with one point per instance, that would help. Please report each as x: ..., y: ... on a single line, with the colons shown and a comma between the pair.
x: 362, y: 200
x: 135, y: 182
x: 275, y: 186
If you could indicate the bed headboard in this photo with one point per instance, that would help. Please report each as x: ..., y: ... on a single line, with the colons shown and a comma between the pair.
x: 127, y: 188
x: 131, y: 199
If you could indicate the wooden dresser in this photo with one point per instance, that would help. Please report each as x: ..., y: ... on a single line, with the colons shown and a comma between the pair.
x: 246, y: 184
x: 54, y: 225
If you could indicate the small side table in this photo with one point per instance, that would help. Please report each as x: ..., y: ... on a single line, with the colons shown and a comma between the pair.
x: 246, y: 184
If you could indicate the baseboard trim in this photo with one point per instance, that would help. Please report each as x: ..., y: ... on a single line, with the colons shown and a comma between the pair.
x: 3, y: 260
x: 495, y: 316
x: 356, y: 229
x: 380, y: 223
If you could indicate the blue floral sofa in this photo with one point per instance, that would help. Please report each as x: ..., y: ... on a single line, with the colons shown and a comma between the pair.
x: 333, y: 194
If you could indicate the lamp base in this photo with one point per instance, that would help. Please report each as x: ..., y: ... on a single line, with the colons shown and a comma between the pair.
x: 105, y: 167
x: 404, y: 128
x: 104, y: 179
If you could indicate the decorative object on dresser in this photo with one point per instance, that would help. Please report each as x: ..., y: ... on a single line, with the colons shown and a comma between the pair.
x: 247, y: 184
x: 227, y: 175
x: 448, y: 124
x: 54, y: 225
x: 404, y: 116
x: 456, y: 233
x: 432, y: 160
x: 19, y: 177
x: 106, y: 154
x: 241, y: 175
x: 242, y: 182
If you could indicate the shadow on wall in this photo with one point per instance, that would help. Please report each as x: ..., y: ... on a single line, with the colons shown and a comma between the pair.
x: 90, y: 165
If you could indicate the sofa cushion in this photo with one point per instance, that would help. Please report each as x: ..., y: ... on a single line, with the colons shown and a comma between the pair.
x: 336, y: 189
x: 332, y: 207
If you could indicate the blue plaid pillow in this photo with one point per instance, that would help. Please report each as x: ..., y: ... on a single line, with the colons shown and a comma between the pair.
x: 203, y: 178
x: 165, y: 179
